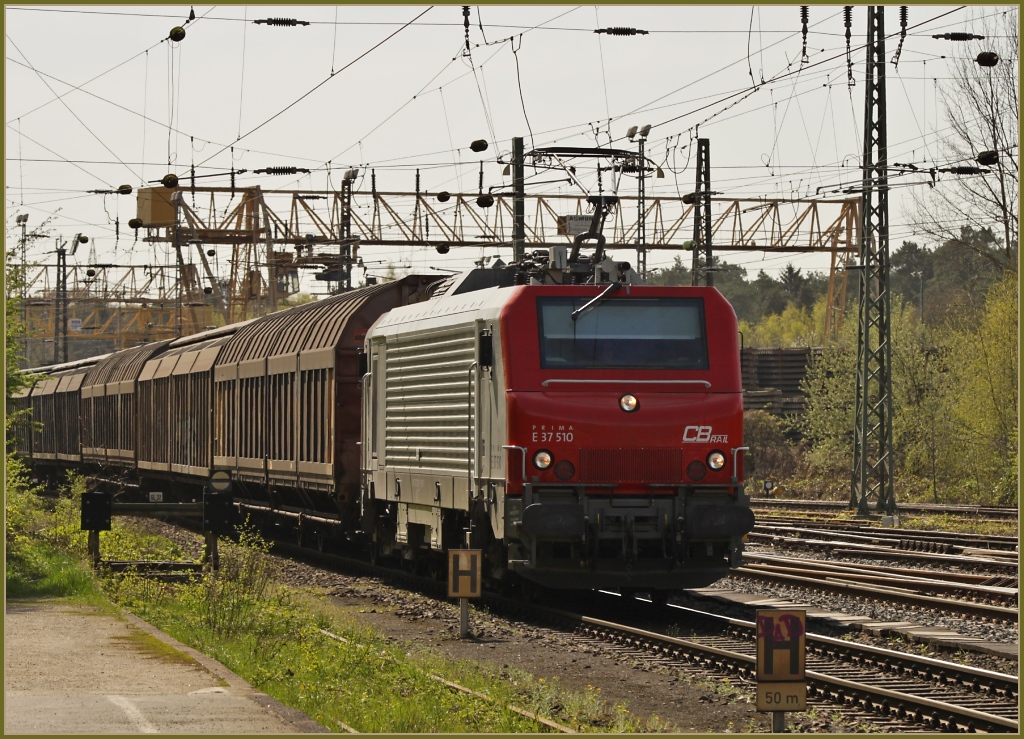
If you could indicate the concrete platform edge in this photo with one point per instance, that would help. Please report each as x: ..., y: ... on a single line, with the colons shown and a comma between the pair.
x: 303, y: 724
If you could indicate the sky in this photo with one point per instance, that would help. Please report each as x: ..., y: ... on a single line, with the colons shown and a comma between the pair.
x: 99, y: 96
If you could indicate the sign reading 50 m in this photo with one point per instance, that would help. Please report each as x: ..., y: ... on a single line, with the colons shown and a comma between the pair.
x: 703, y: 435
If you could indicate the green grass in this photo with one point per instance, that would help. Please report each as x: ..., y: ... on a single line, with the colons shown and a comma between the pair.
x: 36, y: 570
x: 273, y: 637
x: 961, y: 525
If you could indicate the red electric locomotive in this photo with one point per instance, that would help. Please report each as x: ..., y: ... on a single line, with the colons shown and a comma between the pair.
x: 587, y: 435
x: 585, y: 430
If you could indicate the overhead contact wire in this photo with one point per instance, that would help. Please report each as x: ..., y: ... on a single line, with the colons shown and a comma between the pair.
x: 68, y: 107
x: 320, y: 84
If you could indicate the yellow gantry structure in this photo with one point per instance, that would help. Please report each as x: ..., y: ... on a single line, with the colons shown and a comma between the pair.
x: 238, y: 251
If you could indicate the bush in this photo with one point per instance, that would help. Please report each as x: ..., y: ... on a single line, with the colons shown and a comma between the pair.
x: 36, y: 566
x: 771, y: 453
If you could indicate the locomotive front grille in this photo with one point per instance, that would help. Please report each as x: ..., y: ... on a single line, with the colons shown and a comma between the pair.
x: 631, y: 465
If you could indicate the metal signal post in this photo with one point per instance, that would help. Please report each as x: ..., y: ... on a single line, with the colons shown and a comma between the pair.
x: 872, y: 450
x: 60, y: 314
x: 518, y: 200
x: 702, y: 258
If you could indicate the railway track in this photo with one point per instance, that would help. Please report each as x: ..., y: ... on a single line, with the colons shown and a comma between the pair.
x: 984, y: 602
x: 891, y: 689
x: 943, y: 542
x: 896, y: 689
x: 1000, y: 592
x: 891, y: 545
x: 994, y: 513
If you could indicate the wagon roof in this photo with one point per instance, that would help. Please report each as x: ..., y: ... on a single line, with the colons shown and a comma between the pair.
x: 123, y: 365
x: 306, y: 327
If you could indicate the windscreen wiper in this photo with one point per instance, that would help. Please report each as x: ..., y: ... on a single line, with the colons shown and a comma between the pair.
x: 608, y: 291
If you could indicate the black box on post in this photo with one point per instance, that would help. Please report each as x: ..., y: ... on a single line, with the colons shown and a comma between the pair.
x: 219, y: 516
x: 97, y: 510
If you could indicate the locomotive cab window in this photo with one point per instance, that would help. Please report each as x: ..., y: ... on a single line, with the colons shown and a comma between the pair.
x: 630, y: 333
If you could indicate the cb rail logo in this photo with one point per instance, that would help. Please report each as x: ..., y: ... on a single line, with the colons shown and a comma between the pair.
x: 703, y: 435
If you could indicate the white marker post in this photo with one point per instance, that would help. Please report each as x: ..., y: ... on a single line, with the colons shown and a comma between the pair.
x: 781, y: 664
x: 465, y: 570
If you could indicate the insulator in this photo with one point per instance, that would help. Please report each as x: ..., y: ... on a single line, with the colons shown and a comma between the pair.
x: 804, y: 15
x: 903, y: 34
x: 987, y: 59
x: 848, y: 18
x: 211, y: 252
x: 177, y: 33
x: 988, y: 158
x: 124, y: 190
x: 444, y: 196
x: 135, y: 223
x: 478, y: 145
x: 958, y: 36
x: 281, y: 170
x: 443, y: 248
x: 282, y: 22
x: 962, y: 170
x: 169, y: 180
x: 621, y: 31
x: 485, y: 201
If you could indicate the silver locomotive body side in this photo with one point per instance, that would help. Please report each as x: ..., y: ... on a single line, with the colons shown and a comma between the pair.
x: 433, y: 426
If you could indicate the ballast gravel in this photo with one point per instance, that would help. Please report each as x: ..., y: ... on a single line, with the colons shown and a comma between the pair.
x: 685, y: 702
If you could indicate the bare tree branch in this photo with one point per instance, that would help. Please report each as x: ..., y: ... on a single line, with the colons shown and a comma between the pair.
x: 982, y: 109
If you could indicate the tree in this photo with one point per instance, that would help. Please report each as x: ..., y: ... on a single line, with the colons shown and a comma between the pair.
x: 677, y: 274
x: 827, y: 421
x: 772, y: 299
x: 985, y: 406
x: 961, y: 275
x: 792, y: 280
x: 911, y: 267
x: 982, y: 110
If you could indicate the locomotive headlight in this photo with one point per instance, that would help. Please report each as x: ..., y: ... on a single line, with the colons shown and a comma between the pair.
x: 628, y: 403
x: 716, y: 460
x: 542, y: 459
